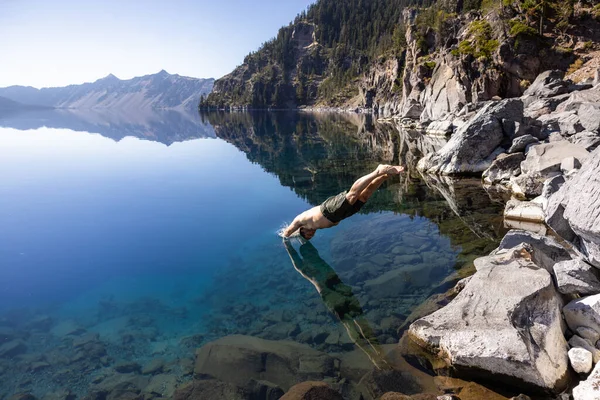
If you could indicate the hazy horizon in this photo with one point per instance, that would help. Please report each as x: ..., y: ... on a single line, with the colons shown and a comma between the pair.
x: 67, y: 43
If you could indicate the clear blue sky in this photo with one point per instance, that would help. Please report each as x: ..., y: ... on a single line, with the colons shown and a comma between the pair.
x: 55, y: 43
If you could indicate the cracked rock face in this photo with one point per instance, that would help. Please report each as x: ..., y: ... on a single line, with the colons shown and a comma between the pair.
x: 576, y: 277
x: 582, y: 206
x: 473, y: 335
x: 474, y: 146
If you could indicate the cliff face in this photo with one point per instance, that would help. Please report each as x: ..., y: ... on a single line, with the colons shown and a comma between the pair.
x: 424, y: 62
x: 160, y: 91
x: 443, y: 70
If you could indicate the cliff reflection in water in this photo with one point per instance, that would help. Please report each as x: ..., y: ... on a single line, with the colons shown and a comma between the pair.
x: 318, y: 155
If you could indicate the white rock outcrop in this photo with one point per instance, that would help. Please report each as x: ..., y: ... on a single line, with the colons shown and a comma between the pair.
x: 513, y: 331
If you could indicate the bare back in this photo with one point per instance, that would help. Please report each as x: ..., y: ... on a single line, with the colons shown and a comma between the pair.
x: 314, y: 219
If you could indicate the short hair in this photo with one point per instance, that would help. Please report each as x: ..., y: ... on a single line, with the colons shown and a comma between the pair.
x: 301, y: 232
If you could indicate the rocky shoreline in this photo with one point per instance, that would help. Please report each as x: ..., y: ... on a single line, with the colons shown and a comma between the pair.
x: 529, y: 315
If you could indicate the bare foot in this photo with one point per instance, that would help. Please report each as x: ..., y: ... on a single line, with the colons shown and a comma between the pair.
x: 383, y: 169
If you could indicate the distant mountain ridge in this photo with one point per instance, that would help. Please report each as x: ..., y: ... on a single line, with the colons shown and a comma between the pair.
x: 158, y: 91
x: 11, y: 105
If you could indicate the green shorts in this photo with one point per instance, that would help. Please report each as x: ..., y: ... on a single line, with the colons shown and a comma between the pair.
x: 336, y: 208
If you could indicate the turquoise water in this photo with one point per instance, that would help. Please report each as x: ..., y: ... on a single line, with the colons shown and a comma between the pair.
x: 148, y: 244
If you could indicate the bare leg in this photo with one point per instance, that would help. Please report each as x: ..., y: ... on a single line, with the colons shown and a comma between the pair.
x: 373, y: 186
x: 362, y: 183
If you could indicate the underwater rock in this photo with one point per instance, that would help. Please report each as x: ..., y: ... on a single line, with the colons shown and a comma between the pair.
x: 22, y: 396
x: 210, y: 389
x: 67, y: 328
x: 41, y: 323
x: 119, y: 386
x: 162, y: 385
x: 511, y: 334
x: 153, y: 367
x: 311, y: 390
x: 126, y: 367
x: 12, y: 348
x: 281, y: 331
x: 7, y: 334
x: 237, y: 359
x: 377, y: 382
x: 62, y: 394
x: 264, y: 390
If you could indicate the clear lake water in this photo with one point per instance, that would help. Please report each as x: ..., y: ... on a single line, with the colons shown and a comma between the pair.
x: 147, y: 236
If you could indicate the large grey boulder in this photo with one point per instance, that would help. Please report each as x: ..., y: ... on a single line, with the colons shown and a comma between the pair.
x: 548, y: 84
x: 474, y: 145
x: 512, y: 333
x: 589, y: 116
x: 576, y: 277
x: 520, y: 143
x: 576, y: 99
x: 503, y: 168
x: 583, y: 312
x: 582, y: 206
x: 543, y: 161
x: 546, y: 250
x: 536, y: 107
x: 545, y: 158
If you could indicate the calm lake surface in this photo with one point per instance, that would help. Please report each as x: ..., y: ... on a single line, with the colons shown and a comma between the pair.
x: 131, y: 239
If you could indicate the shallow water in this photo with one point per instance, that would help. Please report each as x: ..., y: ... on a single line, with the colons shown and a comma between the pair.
x: 135, y: 240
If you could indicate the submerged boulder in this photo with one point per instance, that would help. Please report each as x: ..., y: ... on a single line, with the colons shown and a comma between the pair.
x: 311, y: 391
x: 237, y: 359
x: 512, y: 333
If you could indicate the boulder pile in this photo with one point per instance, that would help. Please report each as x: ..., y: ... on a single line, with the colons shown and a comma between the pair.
x: 530, y: 315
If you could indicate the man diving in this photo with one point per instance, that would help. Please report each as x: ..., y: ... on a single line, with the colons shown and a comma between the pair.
x: 345, y: 204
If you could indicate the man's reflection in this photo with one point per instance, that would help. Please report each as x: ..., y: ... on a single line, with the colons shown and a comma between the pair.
x: 338, y: 298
